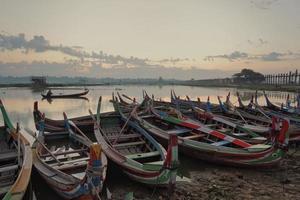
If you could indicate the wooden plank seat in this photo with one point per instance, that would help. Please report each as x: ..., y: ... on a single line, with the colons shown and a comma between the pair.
x: 240, y: 134
x: 56, y: 134
x: 211, y: 125
x: 143, y: 155
x: 223, y: 130
x: 123, y: 136
x: 8, y: 168
x: 179, y: 131
x: 71, y: 165
x: 63, y: 153
x: 195, y: 136
x: 147, y: 116
x: 69, y: 162
x: 128, y: 144
x: 8, y: 155
x: 220, y: 143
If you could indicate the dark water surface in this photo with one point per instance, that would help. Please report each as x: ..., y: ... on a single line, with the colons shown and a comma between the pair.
x: 19, y: 104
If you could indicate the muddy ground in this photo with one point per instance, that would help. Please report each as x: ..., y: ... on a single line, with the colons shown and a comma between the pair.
x: 209, y: 181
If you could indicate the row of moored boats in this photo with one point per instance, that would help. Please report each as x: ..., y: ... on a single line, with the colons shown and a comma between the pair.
x: 143, y: 139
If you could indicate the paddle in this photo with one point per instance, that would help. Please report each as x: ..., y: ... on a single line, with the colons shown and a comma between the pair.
x: 76, y: 128
x: 33, y: 134
x: 127, y: 97
x: 121, y: 132
x: 258, y: 108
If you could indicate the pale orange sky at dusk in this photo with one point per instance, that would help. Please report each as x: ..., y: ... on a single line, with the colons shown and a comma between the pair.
x: 195, y: 38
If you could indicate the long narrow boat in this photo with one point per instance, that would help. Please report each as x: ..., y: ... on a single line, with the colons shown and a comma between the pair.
x: 84, y: 123
x: 228, y: 117
x: 228, y: 127
x: 135, y: 151
x: 282, y: 109
x: 263, y: 112
x: 15, y: 160
x: 70, y: 163
x: 80, y: 94
x: 210, y: 145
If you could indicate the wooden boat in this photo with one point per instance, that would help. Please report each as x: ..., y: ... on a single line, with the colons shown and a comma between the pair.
x: 208, y: 106
x: 50, y: 100
x: 138, y: 155
x: 221, y: 124
x: 263, y: 112
x: 232, y: 117
x: 204, y: 143
x: 285, y: 109
x: 15, y: 161
x: 84, y: 123
x: 70, y: 163
x: 85, y: 92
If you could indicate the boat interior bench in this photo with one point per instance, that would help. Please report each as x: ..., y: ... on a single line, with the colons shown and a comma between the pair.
x: 8, y: 168
x: 63, y: 153
x: 123, y: 136
x: 179, y: 131
x: 8, y: 155
x: 143, y: 155
x: 128, y: 144
x: 220, y: 143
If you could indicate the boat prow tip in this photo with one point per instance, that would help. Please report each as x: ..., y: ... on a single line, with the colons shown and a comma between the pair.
x: 35, y: 106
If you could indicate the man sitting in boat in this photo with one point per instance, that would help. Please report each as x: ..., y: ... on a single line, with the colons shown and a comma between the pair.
x: 49, y: 93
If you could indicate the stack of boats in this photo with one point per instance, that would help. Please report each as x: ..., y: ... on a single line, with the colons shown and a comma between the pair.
x: 143, y: 140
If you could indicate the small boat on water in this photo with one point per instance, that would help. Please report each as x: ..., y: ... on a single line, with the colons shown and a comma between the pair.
x: 72, y: 165
x: 204, y: 143
x: 84, y: 123
x: 15, y: 161
x: 138, y: 155
x: 49, y: 95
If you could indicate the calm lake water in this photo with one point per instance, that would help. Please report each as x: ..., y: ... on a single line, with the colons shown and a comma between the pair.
x: 19, y: 104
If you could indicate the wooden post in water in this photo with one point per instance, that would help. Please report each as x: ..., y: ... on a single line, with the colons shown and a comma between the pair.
x: 290, y: 77
x: 296, y: 76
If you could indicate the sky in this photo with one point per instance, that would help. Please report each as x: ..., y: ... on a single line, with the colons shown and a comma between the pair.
x: 180, y: 39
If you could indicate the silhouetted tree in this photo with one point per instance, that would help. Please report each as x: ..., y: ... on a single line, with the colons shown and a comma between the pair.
x: 248, y: 76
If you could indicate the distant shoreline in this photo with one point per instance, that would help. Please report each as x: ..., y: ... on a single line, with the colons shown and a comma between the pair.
x: 283, y: 88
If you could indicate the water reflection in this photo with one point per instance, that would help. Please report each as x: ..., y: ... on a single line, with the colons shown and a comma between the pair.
x: 19, y: 101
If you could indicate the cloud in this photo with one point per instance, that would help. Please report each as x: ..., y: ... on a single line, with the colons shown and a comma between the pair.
x: 262, y: 42
x: 257, y: 43
x: 75, y: 68
x: 273, y: 56
x: 263, y: 4
x: 236, y: 55
x: 40, y: 44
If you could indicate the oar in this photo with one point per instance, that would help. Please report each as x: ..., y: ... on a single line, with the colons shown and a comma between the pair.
x: 38, y: 140
x: 235, y: 110
x: 98, y: 126
x: 19, y: 145
x: 76, y: 128
x: 127, y: 97
x: 121, y: 132
x: 260, y: 110
x: 98, y: 109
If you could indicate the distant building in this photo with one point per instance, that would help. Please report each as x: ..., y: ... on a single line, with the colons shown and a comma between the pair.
x: 38, y: 80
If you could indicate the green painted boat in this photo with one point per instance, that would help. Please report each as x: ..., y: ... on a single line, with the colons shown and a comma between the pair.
x: 15, y: 161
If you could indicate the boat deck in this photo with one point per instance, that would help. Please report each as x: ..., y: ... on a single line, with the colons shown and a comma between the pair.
x: 9, y: 167
x: 130, y: 143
